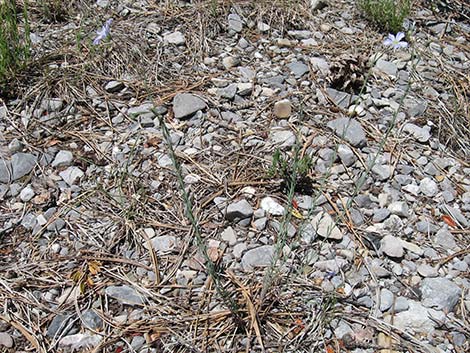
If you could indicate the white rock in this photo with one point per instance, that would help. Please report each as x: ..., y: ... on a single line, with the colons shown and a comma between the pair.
x: 392, y: 246
x: 27, y: 193
x: 80, y: 341
x: 272, y: 207
x: 428, y: 187
x: 71, y: 175
x: 62, y: 158
x: 176, y: 38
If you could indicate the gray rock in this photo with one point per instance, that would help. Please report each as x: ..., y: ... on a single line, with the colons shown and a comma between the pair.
x: 300, y: 34
x: 445, y: 239
x: 27, y: 193
x: 401, y: 304
x: 260, y: 224
x: 258, y: 257
x: 440, y: 293
x: 325, y: 226
x: 426, y: 227
x: 5, y: 171
x: 71, y: 175
x: 291, y: 230
x: 244, y: 88
x: 349, y: 129
x: 92, y: 320
x: 176, y: 38
x: 426, y: 270
x: 298, y: 68
x: 238, y: 250
x: 186, y: 104
x: 271, y: 206
x: 58, y: 324
x: 164, y: 243
x: 80, y: 341
x: 62, y: 159
x: 283, y: 138
x: 428, y: 187
x: 231, y: 61
x: 6, y: 340
x: 334, y: 265
x: 228, y: 92
x: 346, y: 155
x: 113, y: 86
x: 52, y: 105
x: 341, y: 99
x: 386, y: 67
x: 421, y: 134
x: 399, y: 208
x: 386, y: 299
x: 144, y: 108
x: 235, y: 23
x: 417, y: 318
x: 320, y: 64
x: 392, y: 246
x: 382, y: 172
x: 125, y: 295
x: 239, y: 210
x: 229, y: 236
x: 137, y: 342
x: 380, y: 214
x: 22, y: 164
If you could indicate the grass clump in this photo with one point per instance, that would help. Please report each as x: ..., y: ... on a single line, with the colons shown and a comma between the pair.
x: 387, y: 14
x: 14, y: 45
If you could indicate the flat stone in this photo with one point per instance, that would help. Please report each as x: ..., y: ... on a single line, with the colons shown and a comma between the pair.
x: 300, y: 34
x: 283, y: 138
x: 5, y: 171
x: 382, y: 172
x: 426, y: 270
x: 144, y: 108
x: 125, y: 295
x: 283, y: 108
x: 271, y: 206
x: 346, y: 155
x: 401, y: 304
x: 426, y: 227
x: 380, y: 214
x: 228, y: 92
x: 428, y: 187
x: 186, y: 104
x: 420, y: 134
x: 326, y: 227
x: 113, y: 86
x: 235, y: 23
x: 229, y: 236
x: 258, y: 257
x: 399, y: 208
x: 386, y: 67
x: 22, y: 164
x: 417, y: 318
x: 440, y: 293
x: 386, y: 299
x: 333, y: 265
x: 58, y: 325
x: 239, y: 210
x: 238, y: 250
x: 62, y: 159
x: 445, y: 239
x: 92, y: 320
x: 27, y: 193
x: 71, y: 175
x: 6, y: 340
x: 298, y: 68
x: 230, y: 61
x: 392, y: 246
x: 164, y: 243
x: 263, y: 27
x: 176, y: 38
x: 320, y: 65
x: 80, y: 341
x: 244, y: 88
x: 349, y: 129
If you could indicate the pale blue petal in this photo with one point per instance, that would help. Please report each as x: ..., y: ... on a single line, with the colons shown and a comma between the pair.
x: 400, y: 36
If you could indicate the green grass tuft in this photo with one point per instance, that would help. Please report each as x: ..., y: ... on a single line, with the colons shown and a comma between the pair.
x: 387, y: 14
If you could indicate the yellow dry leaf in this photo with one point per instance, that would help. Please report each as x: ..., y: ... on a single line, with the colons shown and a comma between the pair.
x: 297, y: 214
x: 89, y: 281
x: 94, y: 267
x: 76, y: 275
x: 440, y: 178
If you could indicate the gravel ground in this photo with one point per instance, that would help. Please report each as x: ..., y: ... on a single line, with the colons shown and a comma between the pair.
x: 237, y: 177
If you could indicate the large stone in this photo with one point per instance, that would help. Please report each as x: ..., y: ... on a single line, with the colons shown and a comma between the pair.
x: 235, y: 23
x: 71, y: 175
x: 440, y: 293
x: 186, y: 104
x: 326, y: 227
x: 22, y: 164
x: 417, y: 318
x: 386, y: 67
x: 283, y: 108
x: 421, y: 134
x: 80, y: 341
x: 350, y: 130
x: 392, y: 246
x: 125, y: 295
x: 272, y: 207
x: 62, y: 159
x: 298, y: 68
x: 239, y: 210
x: 258, y: 257
x: 176, y: 38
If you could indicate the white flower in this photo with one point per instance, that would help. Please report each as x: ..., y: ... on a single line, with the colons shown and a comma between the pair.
x: 103, y: 32
x: 395, y: 41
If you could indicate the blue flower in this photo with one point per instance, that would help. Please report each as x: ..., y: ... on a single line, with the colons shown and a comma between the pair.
x: 103, y: 32
x: 395, y: 41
